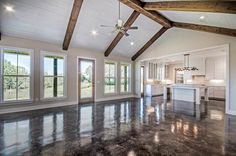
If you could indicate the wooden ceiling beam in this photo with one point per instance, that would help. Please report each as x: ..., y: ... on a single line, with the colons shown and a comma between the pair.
x: 72, y: 23
x: 205, y: 28
x: 150, y: 42
x: 194, y: 6
x: 138, y: 6
x: 118, y: 37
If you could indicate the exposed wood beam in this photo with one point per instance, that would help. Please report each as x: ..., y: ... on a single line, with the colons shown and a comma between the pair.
x: 72, y: 22
x: 138, y: 6
x: 198, y: 6
x: 128, y: 23
x: 150, y: 42
x: 211, y: 29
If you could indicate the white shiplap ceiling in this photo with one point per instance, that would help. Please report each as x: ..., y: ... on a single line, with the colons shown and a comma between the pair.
x: 211, y: 19
x: 46, y: 20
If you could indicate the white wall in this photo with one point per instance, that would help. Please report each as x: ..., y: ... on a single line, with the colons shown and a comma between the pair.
x: 178, y: 40
x: 72, y: 55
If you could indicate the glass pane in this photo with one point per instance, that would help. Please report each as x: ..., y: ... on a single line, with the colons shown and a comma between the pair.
x: 107, y: 70
x: 9, y: 88
x: 60, y: 67
x: 48, y: 66
x: 23, y: 88
x: 109, y: 85
x: 112, y: 70
x: 86, y: 88
x: 48, y: 87
x: 122, y: 87
x: 10, y: 64
x: 60, y: 87
x: 23, y: 64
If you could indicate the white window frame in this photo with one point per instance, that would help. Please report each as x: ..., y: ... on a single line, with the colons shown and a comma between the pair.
x: 45, y: 53
x: 129, y: 74
x: 31, y: 52
x: 116, y: 77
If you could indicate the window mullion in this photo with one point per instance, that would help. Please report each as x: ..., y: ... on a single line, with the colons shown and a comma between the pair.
x: 55, y: 77
x: 17, y: 76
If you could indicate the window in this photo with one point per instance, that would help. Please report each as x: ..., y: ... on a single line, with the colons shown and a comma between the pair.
x: 125, y: 78
x: 110, y: 77
x: 16, y: 77
x: 54, y: 79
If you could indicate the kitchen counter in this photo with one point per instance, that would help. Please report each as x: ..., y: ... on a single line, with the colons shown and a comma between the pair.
x: 186, y: 92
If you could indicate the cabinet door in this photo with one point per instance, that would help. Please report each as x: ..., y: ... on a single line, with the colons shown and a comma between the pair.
x: 219, y: 92
x: 200, y: 64
x: 220, y: 68
x: 210, y: 68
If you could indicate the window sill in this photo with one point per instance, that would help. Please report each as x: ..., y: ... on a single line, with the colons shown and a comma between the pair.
x: 53, y: 99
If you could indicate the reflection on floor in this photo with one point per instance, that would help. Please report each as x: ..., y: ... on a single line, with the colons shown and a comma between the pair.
x: 131, y: 127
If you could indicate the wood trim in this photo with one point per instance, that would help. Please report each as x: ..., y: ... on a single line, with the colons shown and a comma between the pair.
x: 194, y: 6
x: 205, y: 28
x: 150, y: 42
x: 128, y: 23
x: 87, y: 100
x: 138, y: 6
x: 72, y: 22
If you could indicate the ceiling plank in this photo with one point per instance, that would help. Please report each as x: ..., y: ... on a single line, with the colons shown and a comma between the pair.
x: 150, y: 42
x: 72, y: 22
x: 138, y: 6
x: 198, y: 6
x: 118, y: 37
x: 205, y: 28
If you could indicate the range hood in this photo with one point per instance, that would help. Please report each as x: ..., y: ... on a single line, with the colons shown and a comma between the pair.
x: 186, y: 66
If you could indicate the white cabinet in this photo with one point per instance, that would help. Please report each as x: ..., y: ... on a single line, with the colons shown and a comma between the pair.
x: 216, y: 68
x: 153, y: 90
x: 200, y: 64
x: 217, y: 92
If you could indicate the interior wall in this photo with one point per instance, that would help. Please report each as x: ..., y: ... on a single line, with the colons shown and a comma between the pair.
x: 178, y: 40
x: 72, y: 55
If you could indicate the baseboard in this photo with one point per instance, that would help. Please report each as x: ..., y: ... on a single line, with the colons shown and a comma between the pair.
x: 22, y: 108
x: 114, y: 98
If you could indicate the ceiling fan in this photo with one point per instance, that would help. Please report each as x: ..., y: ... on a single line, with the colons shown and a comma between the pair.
x: 119, y: 26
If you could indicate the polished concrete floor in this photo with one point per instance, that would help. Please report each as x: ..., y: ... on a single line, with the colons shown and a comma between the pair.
x: 131, y: 127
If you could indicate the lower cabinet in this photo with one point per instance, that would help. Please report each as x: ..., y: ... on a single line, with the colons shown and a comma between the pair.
x: 217, y: 92
x: 154, y: 90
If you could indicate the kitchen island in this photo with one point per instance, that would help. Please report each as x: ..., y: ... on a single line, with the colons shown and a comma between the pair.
x: 186, y: 92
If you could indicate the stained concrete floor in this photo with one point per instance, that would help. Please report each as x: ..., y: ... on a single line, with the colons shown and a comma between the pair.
x: 132, y: 127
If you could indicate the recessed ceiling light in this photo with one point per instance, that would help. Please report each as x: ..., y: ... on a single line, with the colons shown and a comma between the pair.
x: 94, y: 32
x: 9, y: 8
x: 202, y: 17
x: 131, y: 43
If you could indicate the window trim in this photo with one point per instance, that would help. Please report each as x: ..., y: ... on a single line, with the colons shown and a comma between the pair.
x: 42, y: 54
x: 129, y: 74
x: 31, y: 52
x: 116, y: 78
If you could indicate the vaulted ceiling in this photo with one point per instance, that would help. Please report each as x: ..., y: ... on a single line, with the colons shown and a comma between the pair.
x: 47, y: 20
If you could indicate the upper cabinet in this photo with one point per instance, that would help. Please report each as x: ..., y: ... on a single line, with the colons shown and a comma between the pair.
x: 157, y: 71
x: 216, y: 68
x: 199, y: 63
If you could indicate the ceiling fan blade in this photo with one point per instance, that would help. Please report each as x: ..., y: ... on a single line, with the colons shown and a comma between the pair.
x: 124, y: 32
x: 106, y: 26
x: 133, y: 28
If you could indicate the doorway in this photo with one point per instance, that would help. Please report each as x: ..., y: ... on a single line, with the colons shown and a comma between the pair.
x: 142, y: 81
x: 86, y: 78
